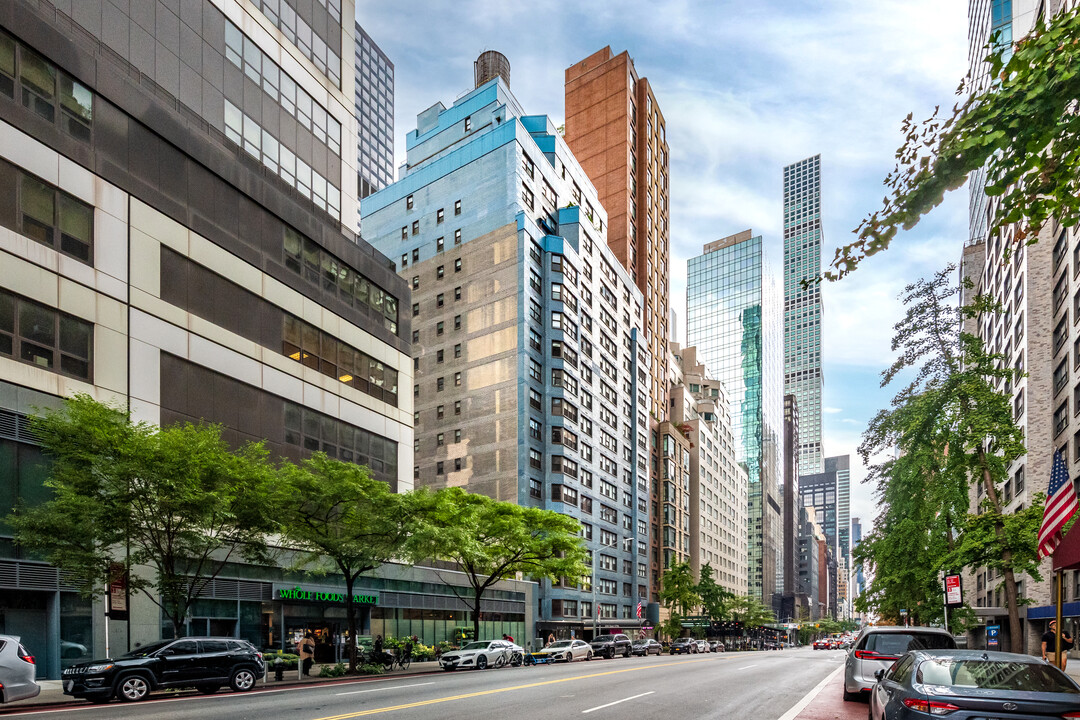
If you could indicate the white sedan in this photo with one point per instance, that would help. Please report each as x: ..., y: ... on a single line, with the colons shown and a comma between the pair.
x: 480, y: 655
x: 566, y: 650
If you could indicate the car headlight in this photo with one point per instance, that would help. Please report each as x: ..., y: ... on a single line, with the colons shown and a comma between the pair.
x: 98, y: 668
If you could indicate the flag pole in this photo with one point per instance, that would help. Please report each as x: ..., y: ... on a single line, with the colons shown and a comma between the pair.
x: 1057, y: 618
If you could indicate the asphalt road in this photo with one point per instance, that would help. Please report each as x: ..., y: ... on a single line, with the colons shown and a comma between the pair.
x: 747, y: 686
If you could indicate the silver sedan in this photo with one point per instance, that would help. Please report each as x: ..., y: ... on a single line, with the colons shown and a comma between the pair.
x: 17, y: 671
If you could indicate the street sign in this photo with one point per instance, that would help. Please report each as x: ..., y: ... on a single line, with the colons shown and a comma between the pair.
x: 954, y: 595
x: 992, y: 636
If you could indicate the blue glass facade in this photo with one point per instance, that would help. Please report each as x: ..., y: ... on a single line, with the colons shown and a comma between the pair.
x: 733, y: 318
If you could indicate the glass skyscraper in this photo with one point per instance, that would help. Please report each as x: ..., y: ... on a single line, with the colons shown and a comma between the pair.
x: 733, y: 318
x: 374, y: 115
x: 802, y: 305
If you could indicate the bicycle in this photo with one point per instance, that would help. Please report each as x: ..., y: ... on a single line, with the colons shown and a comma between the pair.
x: 390, y: 660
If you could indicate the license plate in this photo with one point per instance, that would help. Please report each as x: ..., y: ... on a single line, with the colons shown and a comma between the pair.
x: 68, y: 684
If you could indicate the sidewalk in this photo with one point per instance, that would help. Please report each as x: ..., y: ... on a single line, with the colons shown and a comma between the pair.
x: 828, y: 703
x: 52, y: 692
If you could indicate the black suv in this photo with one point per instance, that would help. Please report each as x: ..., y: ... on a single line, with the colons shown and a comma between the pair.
x: 684, y: 646
x: 611, y: 645
x: 202, y: 663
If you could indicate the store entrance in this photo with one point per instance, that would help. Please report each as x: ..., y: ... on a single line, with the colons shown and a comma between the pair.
x: 328, y: 626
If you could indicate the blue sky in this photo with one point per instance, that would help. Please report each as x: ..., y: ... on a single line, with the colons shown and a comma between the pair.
x: 746, y: 88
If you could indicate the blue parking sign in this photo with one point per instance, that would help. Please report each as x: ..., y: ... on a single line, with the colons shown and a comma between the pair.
x: 992, y: 635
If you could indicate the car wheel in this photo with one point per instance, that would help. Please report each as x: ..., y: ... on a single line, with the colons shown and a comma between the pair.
x: 481, y: 662
x: 208, y: 689
x: 626, y: 653
x: 133, y: 688
x: 611, y: 654
x: 849, y: 696
x: 570, y: 656
x: 242, y: 680
x: 589, y: 655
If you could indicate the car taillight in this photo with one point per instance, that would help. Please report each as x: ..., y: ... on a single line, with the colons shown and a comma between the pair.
x: 27, y: 658
x: 1069, y: 716
x: 930, y: 706
x: 871, y: 655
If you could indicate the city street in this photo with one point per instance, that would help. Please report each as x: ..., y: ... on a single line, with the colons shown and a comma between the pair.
x: 750, y: 686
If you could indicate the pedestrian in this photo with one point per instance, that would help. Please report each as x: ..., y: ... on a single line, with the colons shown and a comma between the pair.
x: 307, y: 654
x: 408, y: 647
x: 378, y: 649
x: 551, y: 638
x: 510, y: 638
x: 1049, y: 644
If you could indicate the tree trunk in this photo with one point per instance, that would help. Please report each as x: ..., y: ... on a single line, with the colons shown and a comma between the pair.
x: 479, y: 593
x: 350, y: 614
x: 1016, y: 644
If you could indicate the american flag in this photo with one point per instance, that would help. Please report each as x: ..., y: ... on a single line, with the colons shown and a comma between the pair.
x: 1060, y: 506
x: 639, y: 608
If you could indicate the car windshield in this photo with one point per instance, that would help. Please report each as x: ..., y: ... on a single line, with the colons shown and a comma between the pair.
x: 641, y: 642
x: 561, y: 644
x: 603, y: 638
x: 476, y: 646
x: 900, y: 642
x: 995, y: 675
x: 146, y: 649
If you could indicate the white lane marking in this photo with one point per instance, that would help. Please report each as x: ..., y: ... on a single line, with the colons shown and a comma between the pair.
x: 380, y: 689
x: 798, y: 707
x: 747, y: 667
x: 601, y: 707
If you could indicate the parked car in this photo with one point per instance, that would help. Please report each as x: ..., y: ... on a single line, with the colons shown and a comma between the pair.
x: 683, y: 646
x: 205, y: 664
x: 566, y: 651
x: 72, y: 649
x: 878, y: 647
x: 17, y: 671
x: 717, y: 646
x: 646, y: 646
x: 480, y: 655
x: 972, y: 683
x: 611, y: 645
x: 703, y: 646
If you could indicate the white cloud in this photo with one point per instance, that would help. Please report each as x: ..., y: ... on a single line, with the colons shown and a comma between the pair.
x: 832, y: 410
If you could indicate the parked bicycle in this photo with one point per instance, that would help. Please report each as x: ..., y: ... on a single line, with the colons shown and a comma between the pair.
x: 391, y: 660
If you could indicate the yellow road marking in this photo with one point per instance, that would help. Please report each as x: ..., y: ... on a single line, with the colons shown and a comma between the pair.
x: 435, y: 701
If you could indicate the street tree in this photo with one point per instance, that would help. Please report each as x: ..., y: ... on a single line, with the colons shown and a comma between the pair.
x: 175, y: 500
x: 750, y: 611
x: 679, y: 594
x: 715, y: 600
x: 341, y: 519
x: 490, y: 540
x: 954, y: 431
x: 1021, y: 125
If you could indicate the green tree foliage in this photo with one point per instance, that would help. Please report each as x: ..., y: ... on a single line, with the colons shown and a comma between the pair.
x: 1023, y: 128
x: 175, y: 500
x: 679, y: 594
x: 491, y: 540
x: 750, y: 611
x: 951, y: 430
x: 341, y: 519
x: 715, y: 600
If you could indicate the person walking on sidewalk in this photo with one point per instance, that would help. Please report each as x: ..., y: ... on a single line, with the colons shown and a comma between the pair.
x: 307, y: 655
x: 1049, y: 644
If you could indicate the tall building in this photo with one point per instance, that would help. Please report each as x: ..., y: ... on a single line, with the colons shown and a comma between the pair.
x: 700, y: 412
x: 802, y: 305
x: 528, y: 346
x: 858, y: 577
x: 841, y: 465
x: 794, y: 598
x: 374, y: 115
x: 178, y: 240
x: 1034, y: 332
x: 733, y: 319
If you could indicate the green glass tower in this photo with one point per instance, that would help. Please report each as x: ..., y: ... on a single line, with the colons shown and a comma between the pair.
x: 802, y: 305
x: 733, y: 318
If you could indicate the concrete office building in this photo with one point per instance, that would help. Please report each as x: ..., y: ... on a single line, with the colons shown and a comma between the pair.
x: 794, y: 600
x: 374, y: 115
x: 733, y: 319
x: 841, y: 465
x: 700, y: 411
x: 615, y: 128
x: 529, y: 353
x: 1036, y: 289
x: 178, y: 240
x: 802, y: 305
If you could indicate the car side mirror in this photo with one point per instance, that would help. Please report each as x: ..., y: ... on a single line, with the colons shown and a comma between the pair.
x: 878, y: 674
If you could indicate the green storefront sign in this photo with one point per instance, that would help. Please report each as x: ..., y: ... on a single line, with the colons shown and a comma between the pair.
x: 299, y: 593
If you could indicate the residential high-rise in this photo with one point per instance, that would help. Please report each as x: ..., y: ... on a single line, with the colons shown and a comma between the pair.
x: 616, y: 130
x: 733, y: 319
x: 859, y: 578
x: 374, y: 115
x: 528, y: 346
x: 802, y: 305
x: 841, y: 465
x: 1034, y: 332
x: 179, y: 240
x: 793, y: 598
x: 700, y: 412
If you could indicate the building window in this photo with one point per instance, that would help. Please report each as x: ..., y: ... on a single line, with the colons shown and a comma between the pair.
x: 416, y: 282
x: 440, y: 383
x: 44, y: 337
x: 457, y: 265
x: 416, y: 255
x: 439, y: 468
x: 409, y: 203
x: 457, y: 379
x: 457, y: 237
x: 440, y: 300
x: 440, y: 412
x: 416, y: 227
x: 440, y: 327
x: 416, y: 336
x: 415, y: 309
x: 405, y: 233
x: 1018, y: 404
x: 457, y: 350
x: 1061, y: 417
x: 439, y: 356
x: 440, y: 272
x: 457, y: 407
x: 40, y: 84
x: 457, y: 464
x: 468, y: 124
x: 457, y: 208
x: 440, y: 440
x: 457, y: 322
x: 536, y: 459
x: 440, y: 215
x: 457, y: 293
x: 440, y: 244
x: 47, y: 215
x: 535, y: 488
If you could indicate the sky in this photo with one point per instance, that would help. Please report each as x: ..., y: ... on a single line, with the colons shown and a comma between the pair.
x: 746, y: 88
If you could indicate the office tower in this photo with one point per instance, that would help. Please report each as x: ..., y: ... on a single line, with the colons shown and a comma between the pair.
x: 841, y: 465
x: 828, y: 494
x: 529, y: 350
x: 701, y: 413
x: 802, y: 304
x: 1034, y: 332
x: 616, y: 130
x: 792, y: 505
x: 733, y: 319
x: 374, y: 115
x: 178, y: 240
x: 808, y: 590
x: 859, y: 577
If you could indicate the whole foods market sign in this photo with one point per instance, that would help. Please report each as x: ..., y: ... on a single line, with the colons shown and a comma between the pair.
x: 325, y: 596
